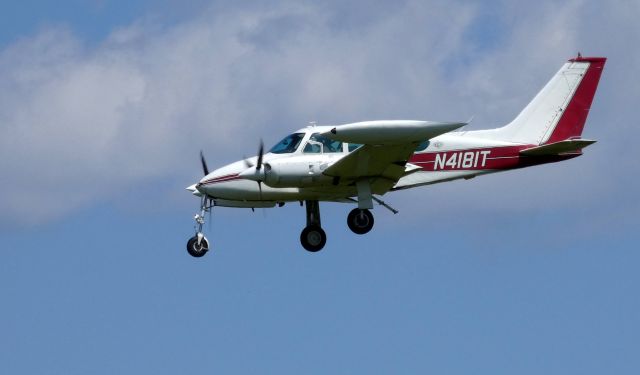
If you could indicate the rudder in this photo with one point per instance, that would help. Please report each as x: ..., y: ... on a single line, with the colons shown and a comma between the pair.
x: 573, y: 118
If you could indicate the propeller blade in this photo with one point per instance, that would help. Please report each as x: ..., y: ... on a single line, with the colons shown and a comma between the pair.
x: 205, y: 169
x: 264, y: 213
x: 260, y: 153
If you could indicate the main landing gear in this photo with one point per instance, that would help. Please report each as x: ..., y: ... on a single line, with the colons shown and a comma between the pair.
x: 313, y: 238
x: 360, y: 221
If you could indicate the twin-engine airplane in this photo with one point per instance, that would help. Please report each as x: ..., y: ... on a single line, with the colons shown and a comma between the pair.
x: 357, y: 163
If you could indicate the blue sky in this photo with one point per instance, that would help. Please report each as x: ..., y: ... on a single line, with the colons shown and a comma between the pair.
x: 104, y: 108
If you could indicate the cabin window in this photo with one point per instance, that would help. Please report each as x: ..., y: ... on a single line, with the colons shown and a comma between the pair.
x: 288, y: 145
x: 318, y: 144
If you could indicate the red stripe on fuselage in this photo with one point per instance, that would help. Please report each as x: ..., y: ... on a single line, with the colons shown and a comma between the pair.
x: 477, y: 159
x: 226, y: 178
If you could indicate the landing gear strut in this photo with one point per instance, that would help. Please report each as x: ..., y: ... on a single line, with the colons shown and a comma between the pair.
x: 313, y: 238
x: 360, y: 221
x: 198, y: 245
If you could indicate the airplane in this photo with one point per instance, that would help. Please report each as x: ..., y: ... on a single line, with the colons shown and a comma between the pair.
x: 357, y: 163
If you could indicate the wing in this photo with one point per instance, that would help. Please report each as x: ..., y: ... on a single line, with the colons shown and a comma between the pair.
x: 387, y: 145
x: 383, y: 165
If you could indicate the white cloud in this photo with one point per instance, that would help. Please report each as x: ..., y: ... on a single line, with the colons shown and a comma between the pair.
x: 83, y: 122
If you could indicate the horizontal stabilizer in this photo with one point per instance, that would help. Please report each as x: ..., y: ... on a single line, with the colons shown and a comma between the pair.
x: 391, y: 132
x: 569, y: 146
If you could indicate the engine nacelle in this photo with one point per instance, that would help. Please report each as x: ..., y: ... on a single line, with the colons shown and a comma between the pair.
x: 290, y: 172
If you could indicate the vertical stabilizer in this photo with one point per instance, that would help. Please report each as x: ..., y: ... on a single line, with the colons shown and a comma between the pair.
x: 560, y: 109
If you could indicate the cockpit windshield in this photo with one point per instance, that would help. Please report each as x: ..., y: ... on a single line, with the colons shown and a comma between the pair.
x: 288, y: 145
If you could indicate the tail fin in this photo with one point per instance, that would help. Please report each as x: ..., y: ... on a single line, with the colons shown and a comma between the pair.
x: 560, y: 109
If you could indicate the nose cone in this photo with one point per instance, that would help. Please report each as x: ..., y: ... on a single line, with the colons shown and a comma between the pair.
x: 221, y: 183
x: 194, y: 190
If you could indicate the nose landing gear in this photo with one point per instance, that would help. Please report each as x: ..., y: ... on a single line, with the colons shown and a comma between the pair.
x: 198, y: 245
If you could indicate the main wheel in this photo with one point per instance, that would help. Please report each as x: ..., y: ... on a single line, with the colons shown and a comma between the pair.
x: 195, y: 249
x: 360, y: 221
x: 313, y: 238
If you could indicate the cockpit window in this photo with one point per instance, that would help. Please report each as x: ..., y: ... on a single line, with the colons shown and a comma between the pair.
x: 288, y: 145
x: 353, y: 146
x: 319, y: 144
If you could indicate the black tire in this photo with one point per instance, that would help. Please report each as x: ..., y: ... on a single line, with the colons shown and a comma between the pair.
x: 196, y: 250
x: 360, y: 221
x: 313, y: 238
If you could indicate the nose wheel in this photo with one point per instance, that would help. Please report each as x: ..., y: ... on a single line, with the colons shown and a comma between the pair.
x: 360, y: 221
x: 197, y: 246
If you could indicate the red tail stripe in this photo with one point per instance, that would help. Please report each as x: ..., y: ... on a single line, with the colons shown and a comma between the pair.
x: 575, y: 115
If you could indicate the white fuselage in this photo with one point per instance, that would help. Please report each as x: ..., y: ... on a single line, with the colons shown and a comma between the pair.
x: 306, y: 180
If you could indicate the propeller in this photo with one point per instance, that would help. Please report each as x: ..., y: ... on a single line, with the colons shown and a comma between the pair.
x: 260, y: 153
x: 205, y: 169
x: 259, y: 165
x: 249, y: 164
x: 255, y: 173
